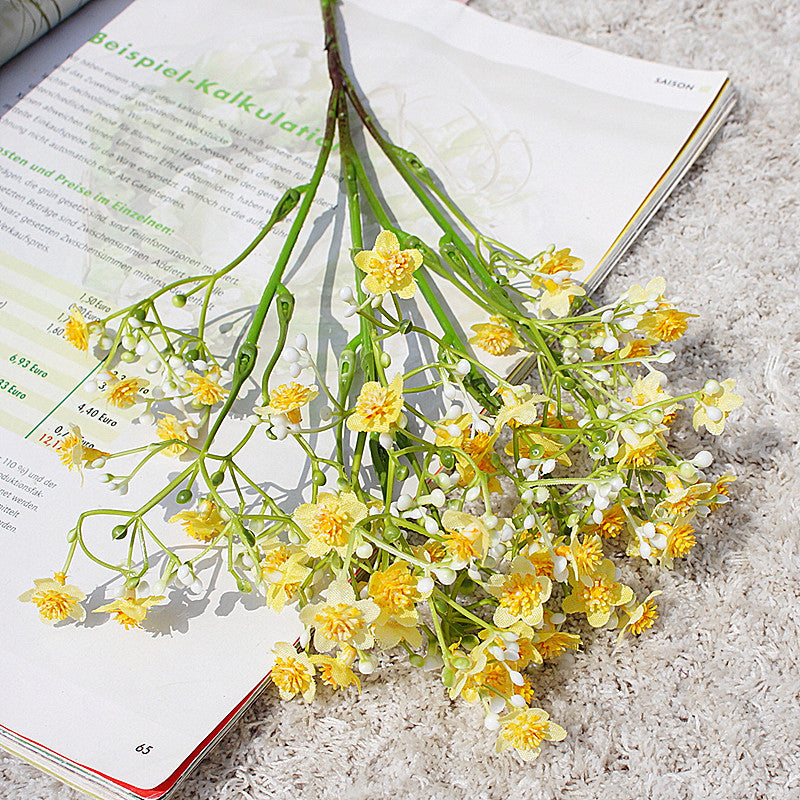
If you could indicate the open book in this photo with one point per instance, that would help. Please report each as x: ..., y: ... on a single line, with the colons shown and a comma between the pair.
x: 152, y: 154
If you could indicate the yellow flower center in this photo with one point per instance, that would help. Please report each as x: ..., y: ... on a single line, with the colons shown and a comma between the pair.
x: 613, y: 523
x: 126, y: 621
x: 681, y: 541
x: 206, y: 390
x: 460, y: 544
x: 291, y: 675
x: 65, y: 451
x: 274, y: 560
x: 521, y: 594
x: 542, y: 563
x: 494, y: 339
x: 394, y: 589
x: 339, y: 622
x: 556, y: 643
x: 375, y: 405
x: 649, y: 616
x: 391, y: 270
x: 526, y: 731
x: 597, y: 597
x: 668, y: 324
x: 643, y: 455
x: 588, y: 554
x: 168, y: 428
x: 122, y: 394
x: 328, y: 525
x: 53, y: 605
x: 76, y: 332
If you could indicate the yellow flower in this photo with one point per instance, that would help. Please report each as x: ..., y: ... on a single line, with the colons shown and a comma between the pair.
x: 585, y: 556
x: 283, y: 569
x: 495, y: 337
x: 634, y: 348
x: 391, y: 629
x: 519, y: 406
x: 654, y: 290
x: 680, y: 540
x: 76, y: 331
x: 288, y: 399
x: 598, y: 599
x: 613, y: 523
x: 648, y: 390
x: 534, y: 445
x: 466, y: 537
x: 329, y: 522
x: 293, y: 673
x: 557, y: 297
x: 712, y: 409
x: 521, y: 593
x: 206, y: 388
x: 638, y: 450
x: 335, y: 672
x: 559, y: 261
x: 681, y: 501
x: 666, y: 322
x: 525, y: 729
x: 55, y: 599
x: 718, y: 494
x: 640, y: 617
x: 388, y: 269
x: 394, y: 589
x: 204, y: 524
x: 74, y: 454
x: 122, y: 393
x: 130, y: 611
x: 341, y: 619
x: 378, y: 408
x: 169, y: 428
x: 551, y: 642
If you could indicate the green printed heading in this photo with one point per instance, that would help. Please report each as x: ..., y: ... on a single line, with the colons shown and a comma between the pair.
x: 242, y: 100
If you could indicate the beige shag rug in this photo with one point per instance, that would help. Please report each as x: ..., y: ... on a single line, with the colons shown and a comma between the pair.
x: 705, y: 705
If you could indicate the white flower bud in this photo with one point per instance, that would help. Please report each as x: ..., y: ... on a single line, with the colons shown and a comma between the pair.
x: 703, y: 459
x: 290, y: 355
x: 404, y: 502
x: 497, y: 704
x: 454, y: 412
x: 425, y: 585
x: 445, y: 575
x: 437, y: 498
x: 364, y: 550
x: 431, y: 526
x: 300, y: 341
x: 516, y: 677
x: 386, y: 441
x: 492, y: 722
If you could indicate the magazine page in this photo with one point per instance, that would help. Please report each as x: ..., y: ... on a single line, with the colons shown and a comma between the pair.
x: 148, y: 157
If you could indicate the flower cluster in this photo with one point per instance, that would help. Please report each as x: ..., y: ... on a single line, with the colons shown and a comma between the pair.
x: 478, y: 524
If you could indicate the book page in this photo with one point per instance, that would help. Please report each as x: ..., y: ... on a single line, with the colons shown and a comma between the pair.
x: 149, y: 157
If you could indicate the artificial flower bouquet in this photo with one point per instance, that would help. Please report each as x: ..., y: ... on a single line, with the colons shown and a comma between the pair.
x: 475, y: 521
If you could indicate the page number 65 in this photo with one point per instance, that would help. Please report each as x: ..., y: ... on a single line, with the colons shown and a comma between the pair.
x: 144, y: 749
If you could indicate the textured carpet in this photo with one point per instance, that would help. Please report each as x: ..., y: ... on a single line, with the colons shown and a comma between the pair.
x: 705, y: 705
